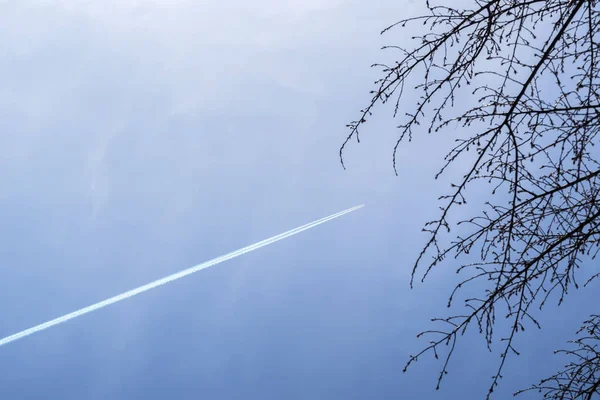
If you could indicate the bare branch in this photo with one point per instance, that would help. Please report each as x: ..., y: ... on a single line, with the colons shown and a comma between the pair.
x: 530, y: 69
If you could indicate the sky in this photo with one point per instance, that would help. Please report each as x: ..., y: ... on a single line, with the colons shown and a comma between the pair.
x: 139, y: 138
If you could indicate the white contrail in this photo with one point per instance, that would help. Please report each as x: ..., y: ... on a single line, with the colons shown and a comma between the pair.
x: 170, y: 278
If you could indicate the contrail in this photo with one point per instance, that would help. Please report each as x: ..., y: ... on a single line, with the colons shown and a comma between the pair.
x: 170, y: 278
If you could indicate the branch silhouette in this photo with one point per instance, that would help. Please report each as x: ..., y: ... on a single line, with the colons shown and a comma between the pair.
x: 530, y: 70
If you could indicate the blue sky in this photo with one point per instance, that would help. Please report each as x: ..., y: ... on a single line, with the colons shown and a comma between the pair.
x: 140, y: 138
